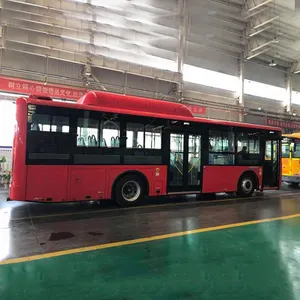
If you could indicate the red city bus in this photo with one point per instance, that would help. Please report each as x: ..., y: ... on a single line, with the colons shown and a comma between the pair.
x: 123, y: 147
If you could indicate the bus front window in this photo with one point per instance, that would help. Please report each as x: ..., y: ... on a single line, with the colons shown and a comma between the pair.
x: 285, y: 150
x: 296, y: 150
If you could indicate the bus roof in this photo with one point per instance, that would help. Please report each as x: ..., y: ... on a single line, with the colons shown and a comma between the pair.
x: 132, y: 105
x: 295, y: 135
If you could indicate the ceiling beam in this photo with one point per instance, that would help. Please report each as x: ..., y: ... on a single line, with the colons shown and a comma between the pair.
x: 259, y: 5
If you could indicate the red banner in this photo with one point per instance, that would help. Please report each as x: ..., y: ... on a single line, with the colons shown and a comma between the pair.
x: 283, y: 124
x: 196, y: 109
x: 32, y: 87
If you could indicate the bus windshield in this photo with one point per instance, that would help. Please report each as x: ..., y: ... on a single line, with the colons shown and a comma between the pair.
x: 286, y: 150
x: 296, y: 150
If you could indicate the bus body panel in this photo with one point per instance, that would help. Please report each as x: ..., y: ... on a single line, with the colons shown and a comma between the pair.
x: 87, y: 183
x: 32, y: 180
x: 291, y: 170
x: 156, y: 176
x: 18, y: 187
x: 226, y: 177
x: 291, y: 165
x: 286, y: 167
x: 48, y: 183
x: 295, y: 166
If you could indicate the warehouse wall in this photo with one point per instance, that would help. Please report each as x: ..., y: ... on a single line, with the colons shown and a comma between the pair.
x: 38, y: 39
x: 213, y: 98
x: 28, y: 66
x: 252, y: 71
x: 69, y: 73
x: 296, y: 82
x: 264, y: 74
x: 213, y: 60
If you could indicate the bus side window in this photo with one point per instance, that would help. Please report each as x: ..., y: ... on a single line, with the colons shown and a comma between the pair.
x: 143, y: 136
x: 40, y: 122
x: 248, y: 149
x: 135, y: 135
x: 152, y: 137
x: 221, y: 144
x: 60, y: 124
x: 87, y: 132
x: 110, y: 134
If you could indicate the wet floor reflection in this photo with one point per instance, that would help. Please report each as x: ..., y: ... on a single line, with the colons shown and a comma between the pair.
x: 24, y: 229
x: 250, y: 262
x: 5, y: 216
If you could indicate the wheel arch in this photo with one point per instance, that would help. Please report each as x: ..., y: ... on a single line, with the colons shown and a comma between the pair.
x: 131, y: 172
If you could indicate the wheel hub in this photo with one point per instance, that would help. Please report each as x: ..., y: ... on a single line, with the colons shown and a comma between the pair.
x: 131, y: 191
x: 247, y: 185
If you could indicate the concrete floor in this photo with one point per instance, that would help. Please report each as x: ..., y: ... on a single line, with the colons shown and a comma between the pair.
x: 107, y: 253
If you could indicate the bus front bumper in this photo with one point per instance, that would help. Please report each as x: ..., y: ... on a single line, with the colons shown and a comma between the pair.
x: 295, y: 178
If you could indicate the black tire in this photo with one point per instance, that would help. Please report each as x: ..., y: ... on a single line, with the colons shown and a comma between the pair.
x: 295, y: 185
x: 246, y: 186
x: 129, y: 190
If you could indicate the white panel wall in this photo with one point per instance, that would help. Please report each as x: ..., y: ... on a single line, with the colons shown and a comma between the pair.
x: 131, y: 84
x: 71, y: 73
x: 215, y: 61
x: 23, y: 61
x: 264, y: 74
x: 296, y: 82
x: 32, y: 67
x: 264, y: 104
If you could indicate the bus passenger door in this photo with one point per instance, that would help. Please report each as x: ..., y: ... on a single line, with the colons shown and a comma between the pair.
x: 194, y: 162
x: 184, y: 163
x: 271, y: 167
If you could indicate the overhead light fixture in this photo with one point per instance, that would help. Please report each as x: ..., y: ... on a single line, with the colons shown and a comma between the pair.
x: 272, y: 63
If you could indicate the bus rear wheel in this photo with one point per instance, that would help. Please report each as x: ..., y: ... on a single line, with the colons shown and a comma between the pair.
x: 129, y: 190
x: 246, y: 186
x: 295, y: 185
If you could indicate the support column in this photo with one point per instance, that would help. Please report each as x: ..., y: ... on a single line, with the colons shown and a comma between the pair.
x: 92, y: 27
x: 240, y: 92
x: 289, y: 90
x: 183, y: 22
x: 2, y: 34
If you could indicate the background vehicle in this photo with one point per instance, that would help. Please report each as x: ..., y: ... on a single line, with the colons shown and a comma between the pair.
x: 291, y: 159
x: 123, y: 147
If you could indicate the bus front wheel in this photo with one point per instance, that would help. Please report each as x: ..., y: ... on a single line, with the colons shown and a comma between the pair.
x: 246, y: 186
x: 129, y: 190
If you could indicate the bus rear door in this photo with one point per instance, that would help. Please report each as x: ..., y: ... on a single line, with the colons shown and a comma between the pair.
x: 271, y: 165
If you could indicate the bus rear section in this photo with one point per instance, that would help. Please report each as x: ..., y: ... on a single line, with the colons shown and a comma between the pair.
x: 77, y: 152
x: 291, y: 159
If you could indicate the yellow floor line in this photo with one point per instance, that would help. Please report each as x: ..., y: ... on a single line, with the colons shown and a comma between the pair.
x: 141, y: 240
x: 149, y: 206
